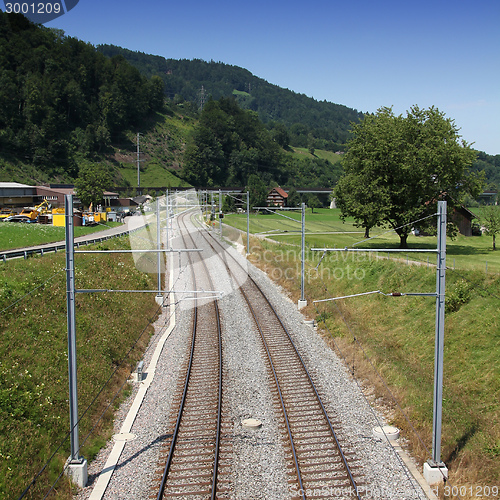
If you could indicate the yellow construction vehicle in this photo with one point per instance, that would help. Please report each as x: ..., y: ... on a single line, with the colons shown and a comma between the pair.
x: 29, y: 214
x: 6, y: 212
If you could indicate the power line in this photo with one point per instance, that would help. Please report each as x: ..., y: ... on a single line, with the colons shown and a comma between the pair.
x: 32, y: 291
x: 100, y: 391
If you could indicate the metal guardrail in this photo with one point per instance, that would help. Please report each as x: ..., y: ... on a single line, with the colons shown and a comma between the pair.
x: 28, y: 252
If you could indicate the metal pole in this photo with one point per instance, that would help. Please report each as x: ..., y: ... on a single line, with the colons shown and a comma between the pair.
x: 168, y: 218
x: 220, y: 213
x: 303, y: 252
x: 158, y: 245
x: 248, y: 223
x: 202, y: 203
x: 138, y: 163
x: 439, y: 342
x: 70, y: 300
x: 212, y: 209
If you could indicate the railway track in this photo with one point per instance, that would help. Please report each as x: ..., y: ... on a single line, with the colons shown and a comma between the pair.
x: 190, y: 461
x: 318, y: 467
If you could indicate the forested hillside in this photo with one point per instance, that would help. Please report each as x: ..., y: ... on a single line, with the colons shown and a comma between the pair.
x: 230, y: 144
x: 310, y: 123
x: 64, y: 102
x: 61, y: 100
x: 491, y: 166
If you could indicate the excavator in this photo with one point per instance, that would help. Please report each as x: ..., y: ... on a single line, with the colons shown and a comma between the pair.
x: 29, y: 214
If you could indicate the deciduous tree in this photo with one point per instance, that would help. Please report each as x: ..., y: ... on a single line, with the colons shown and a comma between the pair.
x: 258, y: 191
x: 313, y: 202
x: 293, y: 199
x: 228, y: 146
x: 397, y: 167
x: 91, y: 183
x: 491, y: 222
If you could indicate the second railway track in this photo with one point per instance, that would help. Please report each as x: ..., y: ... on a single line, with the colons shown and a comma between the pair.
x: 319, y: 467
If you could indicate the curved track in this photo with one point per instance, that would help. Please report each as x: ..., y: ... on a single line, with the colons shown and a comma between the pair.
x: 191, y: 460
x: 319, y: 468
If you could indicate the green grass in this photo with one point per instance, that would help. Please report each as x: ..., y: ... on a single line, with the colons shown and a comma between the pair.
x: 18, y: 235
x: 324, y: 228
x: 398, y: 336
x: 318, y: 153
x: 14, y: 170
x: 33, y: 358
x: 241, y: 93
x: 153, y: 174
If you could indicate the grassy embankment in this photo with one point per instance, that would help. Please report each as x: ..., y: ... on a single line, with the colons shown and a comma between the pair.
x: 33, y: 358
x: 397, y: 334
x: 16, y: 235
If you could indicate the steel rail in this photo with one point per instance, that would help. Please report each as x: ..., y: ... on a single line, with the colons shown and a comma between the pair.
x: 179, y: 415
x: 282, y: 402
x: 185, y: 391
x: 207, y: 235
x: 313, y: 386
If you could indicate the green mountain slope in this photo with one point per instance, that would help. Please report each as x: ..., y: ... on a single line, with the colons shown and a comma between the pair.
x: 63, y: 103
x: 326, y: 123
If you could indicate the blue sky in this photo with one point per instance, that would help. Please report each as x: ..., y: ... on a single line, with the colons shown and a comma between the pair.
x: 361, y: 53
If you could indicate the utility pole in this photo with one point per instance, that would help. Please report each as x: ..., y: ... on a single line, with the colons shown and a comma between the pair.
x: 168, y: 220
x: 220, y: 214
x: 435, y: 470
x: 248, y: 223
x: 302, y: 302
x: 159, y: 296
x: 77, y: 465
x: 138, y: 162
x: 212, y: 210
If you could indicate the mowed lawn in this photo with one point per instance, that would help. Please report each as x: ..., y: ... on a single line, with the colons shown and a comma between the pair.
x: 17, y: 235
x: 325, y: 229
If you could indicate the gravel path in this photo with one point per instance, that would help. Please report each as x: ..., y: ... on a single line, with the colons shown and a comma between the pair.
x: 258, y: 467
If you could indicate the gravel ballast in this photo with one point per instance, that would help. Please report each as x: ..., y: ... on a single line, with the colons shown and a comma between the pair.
x: 258, y: 469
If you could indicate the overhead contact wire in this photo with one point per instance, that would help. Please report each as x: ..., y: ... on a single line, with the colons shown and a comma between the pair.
x: 89, y: 406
